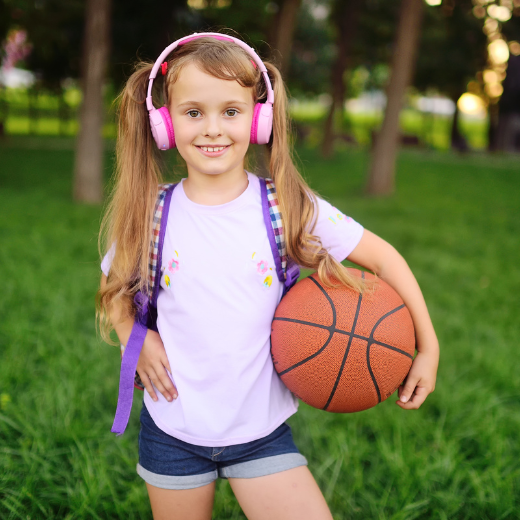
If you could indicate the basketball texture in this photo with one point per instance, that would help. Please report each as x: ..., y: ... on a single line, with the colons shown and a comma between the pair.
x: 341, y: 351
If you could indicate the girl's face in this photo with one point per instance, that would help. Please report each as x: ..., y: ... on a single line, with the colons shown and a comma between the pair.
x: 212, y: 122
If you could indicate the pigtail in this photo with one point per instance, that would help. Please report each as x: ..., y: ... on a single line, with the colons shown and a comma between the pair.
x: 128, y: 218
x: 298, y: 204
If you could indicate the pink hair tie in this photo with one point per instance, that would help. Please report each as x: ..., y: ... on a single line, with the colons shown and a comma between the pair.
x: 254, y: 64
x: 164, y: 68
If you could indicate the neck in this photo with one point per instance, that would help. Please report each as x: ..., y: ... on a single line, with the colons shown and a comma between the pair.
x: 213, y: 190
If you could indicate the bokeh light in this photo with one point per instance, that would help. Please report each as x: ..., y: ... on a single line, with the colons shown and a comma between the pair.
x: 471, y: 105
x: 499, y: 12
x: 490, y: 26
x: 490, y: 76
x: 434, y: 2
x: 498, y: 51
x: 514, y: 48
x: 479, y: 12
x: 494, y: 90
x: 203, y: 4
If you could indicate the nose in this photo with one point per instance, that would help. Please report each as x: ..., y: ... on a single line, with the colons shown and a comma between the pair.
x: 213, y: 127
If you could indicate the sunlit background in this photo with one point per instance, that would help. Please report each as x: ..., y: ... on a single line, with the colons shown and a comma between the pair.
x: 28, y: 105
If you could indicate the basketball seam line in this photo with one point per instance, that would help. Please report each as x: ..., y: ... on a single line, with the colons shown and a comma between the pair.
x: 369, y: 344
x: 370, y: 339
x: 331, y: 334
x: 360, y: 298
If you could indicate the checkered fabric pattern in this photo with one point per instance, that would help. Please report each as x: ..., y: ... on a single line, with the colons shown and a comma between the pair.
x: 276, y: 222
x: 154, y: 243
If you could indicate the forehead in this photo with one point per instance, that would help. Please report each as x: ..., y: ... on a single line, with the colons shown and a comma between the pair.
x: 196, y: 85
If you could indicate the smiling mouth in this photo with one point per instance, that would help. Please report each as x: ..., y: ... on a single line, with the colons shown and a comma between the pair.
x: 213, y: 148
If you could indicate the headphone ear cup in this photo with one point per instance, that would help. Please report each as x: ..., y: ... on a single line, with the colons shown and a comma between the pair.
x: 262, y: 125
x: 162, y: 128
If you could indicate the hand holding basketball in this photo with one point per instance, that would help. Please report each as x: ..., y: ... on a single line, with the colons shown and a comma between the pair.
x: 420, y: 381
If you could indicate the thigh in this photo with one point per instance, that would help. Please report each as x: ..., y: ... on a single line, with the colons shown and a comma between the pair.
x: 185, y: 504
x: 288, y: 495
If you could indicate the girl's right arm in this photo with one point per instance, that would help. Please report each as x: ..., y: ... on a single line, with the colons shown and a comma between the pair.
x: 153, y: 362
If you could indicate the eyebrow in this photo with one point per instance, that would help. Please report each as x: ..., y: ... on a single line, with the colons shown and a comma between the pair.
x: 226, y: 103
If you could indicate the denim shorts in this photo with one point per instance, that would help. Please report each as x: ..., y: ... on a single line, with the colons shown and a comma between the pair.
x: 169, y: 463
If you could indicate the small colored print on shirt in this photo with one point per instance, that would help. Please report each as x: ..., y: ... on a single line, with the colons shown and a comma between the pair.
x: 262, y: 267
x: 338, y: 217
x: 173, y: 264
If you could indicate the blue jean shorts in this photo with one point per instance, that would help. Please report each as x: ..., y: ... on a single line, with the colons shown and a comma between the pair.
x: 169, y: 463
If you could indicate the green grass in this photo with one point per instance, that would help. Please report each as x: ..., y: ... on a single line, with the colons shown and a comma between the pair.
x: 455, y: 219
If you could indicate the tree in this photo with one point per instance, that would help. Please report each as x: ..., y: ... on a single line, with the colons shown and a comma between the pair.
x: 382, y: 170
x: 344, y: 17
x: 451, y: 52
x: 284, y: 25
x: 88, y: 168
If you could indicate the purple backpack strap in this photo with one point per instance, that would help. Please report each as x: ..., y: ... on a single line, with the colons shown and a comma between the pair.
x: 286, y: 269
x: 145, y: 316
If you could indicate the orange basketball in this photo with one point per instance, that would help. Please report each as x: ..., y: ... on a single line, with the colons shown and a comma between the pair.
x: 341, y: 351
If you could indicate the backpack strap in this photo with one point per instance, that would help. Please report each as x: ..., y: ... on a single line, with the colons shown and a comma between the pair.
x: 146, y: 314
x: 286, y: 269
x: 162, y: 208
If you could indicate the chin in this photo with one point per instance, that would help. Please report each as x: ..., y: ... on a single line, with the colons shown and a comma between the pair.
x: 214, y: 169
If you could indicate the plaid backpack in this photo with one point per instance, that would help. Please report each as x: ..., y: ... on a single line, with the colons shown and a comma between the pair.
x: 146, y: 304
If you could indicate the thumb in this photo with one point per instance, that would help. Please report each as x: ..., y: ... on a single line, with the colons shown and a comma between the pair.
x: 406, y: 391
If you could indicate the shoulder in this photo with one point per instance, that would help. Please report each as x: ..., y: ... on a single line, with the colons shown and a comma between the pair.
x: 338, y: 232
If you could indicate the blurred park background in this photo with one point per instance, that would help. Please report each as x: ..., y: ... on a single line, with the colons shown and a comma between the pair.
x: 406, y: 117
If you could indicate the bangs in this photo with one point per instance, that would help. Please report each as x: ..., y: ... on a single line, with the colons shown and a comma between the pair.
x: 220, y: 59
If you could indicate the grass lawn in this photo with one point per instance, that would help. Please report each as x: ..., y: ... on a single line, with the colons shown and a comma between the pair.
x: 456, y: 220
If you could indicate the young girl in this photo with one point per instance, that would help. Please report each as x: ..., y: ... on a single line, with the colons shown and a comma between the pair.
x: 214, y: 405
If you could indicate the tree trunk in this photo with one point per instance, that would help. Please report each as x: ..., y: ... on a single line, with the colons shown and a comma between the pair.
x: 285, y: 23
x: 345, y: 20
x: 457, y: 140
x: 88, y: 168
x: 382, y: 169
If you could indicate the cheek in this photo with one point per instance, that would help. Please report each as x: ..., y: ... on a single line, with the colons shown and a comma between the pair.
x: 184, y: 133
x: 242, y: 132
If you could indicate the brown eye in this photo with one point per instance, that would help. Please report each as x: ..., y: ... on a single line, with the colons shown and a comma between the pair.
x: 193, y: 113
x: 231, y: 112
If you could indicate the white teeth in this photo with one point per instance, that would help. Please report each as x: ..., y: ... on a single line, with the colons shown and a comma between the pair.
x: 212, y: 149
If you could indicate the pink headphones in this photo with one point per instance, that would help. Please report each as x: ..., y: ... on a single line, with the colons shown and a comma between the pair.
x: 161, y: 122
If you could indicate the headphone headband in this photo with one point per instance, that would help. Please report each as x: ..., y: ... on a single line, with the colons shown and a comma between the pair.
x: 217, y: 36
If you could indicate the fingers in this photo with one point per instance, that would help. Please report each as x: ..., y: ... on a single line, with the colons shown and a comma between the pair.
x: 163, y: 383
x: 147, y: 384
x: 154, y: 368
x: 413, y: 401
x: 157, y: 378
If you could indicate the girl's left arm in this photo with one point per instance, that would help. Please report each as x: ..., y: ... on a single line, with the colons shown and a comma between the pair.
x: 381, y: 258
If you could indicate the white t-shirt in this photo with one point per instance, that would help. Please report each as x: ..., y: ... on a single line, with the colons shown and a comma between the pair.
x: 219, y: 291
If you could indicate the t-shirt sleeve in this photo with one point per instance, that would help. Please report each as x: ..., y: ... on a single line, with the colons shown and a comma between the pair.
x: 339, y: 233
x: 107, y: 260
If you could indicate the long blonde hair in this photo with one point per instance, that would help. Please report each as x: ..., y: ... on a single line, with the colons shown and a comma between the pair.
x: 127, y: 222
